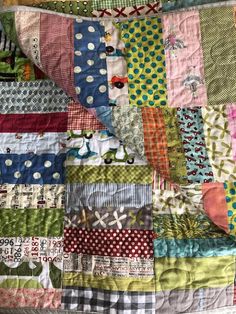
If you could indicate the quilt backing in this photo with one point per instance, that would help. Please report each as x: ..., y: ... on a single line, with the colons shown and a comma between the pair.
x: 117, y: 156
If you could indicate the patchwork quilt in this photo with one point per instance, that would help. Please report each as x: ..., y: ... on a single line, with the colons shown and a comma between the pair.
x: 117, y: 156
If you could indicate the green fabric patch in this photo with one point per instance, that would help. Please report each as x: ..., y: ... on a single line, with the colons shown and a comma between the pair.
x: 83, y: 8
x: 178, y: 171
x: 44, y: 222
x: 168, y: 5
x: 21, y: 69
x: 110, y: 4
x: 193, y: 273
x: 185, y: 226
x: 128, y: 125
x: 8, y: 22
x: 145, y: 56
x: 109, y: 174
x: 218, y: 42
x: 230, y: 191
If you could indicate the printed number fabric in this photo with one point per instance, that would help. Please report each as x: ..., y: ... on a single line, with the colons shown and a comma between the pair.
x: 117, y: 157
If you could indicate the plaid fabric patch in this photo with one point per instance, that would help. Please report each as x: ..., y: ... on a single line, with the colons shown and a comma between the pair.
x: 110, y: 4
x: 80, y: 119
x: 105, y: 301
x: 136, y: 10
x: 155, y: 140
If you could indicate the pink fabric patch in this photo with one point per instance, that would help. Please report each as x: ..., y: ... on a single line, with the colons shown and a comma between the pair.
x: 184, y: 60
x: 57, y: 50
x: 214, y: 204
x: 231, y: 111
x: 34, y: 298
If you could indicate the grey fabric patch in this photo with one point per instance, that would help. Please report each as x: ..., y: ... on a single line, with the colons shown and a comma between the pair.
x: 30, y: 97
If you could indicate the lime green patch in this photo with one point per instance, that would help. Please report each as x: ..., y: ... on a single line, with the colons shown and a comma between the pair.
x: 145, y: 61
x: 185, y: 226
x: 82, y: 8
x: 230, y: 191
x: 8, y: 22
x: 31, y: 222
x: 109, y: 174
x: 193, y: 273
x: 20, y: 283
x: 178, y: 170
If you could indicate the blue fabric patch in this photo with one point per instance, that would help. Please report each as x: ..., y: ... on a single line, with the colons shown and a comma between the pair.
x: 192, y: 133
x: 104, y: 115
x: 32, y: 169
x: 194, y: 247
x: 90, y: 68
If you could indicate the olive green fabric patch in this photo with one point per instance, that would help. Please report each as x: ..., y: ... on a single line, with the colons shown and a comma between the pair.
x: 45, y: 222
x: 145, y: 56
x: 218, y: 42
x: 109, y: 174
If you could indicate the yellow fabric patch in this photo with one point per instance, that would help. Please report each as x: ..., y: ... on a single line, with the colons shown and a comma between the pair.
x: 109, y: 283
x: 193, y: 273
x: 145, y: 58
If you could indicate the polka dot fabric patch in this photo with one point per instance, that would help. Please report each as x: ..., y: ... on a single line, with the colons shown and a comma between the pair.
x: 90, y: 70
x: 123, y: 243
x: 146, y: 61
x: 230, y: 190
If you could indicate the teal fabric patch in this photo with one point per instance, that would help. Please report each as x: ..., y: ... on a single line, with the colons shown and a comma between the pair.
x: 194, y: 247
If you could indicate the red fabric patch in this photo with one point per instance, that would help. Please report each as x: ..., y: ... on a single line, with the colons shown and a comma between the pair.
x: 214, y: 204
x: 34, y: 122
x: 80, y: 119
x: 107, y: 242
x: 57, y: 50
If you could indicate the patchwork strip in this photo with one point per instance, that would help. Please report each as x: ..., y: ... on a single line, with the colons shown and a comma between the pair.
x: 32, y: 169
x: 109, y: 266
x: 90, y: 67
x: 110, y: 4
x: 77, y: 298
x: 31, y: 298
x: 32, y: 196
x: 111, y: 218
x: 230, y: 191
x: 109, y: 174
x: 28, y: 222
x: 218, y: 35
x: 28, y: 34
x: 190, y: 273
x: 33, y: 143
x: 107, y: 195
x: 155, y: 141
x: 231, y: 113
x: 193, y: 139
x: 177, y: 162
x: 111, y: 283
x: 195, y: 300
x: 194, y: 247
x: 124, y: 243
x: 144, y: 53
x: 57, y: 50
x: 32, y: 97
x: 33, y: 122
x: 132, y: 136
x: 218, y: 143
x: 98, y: 148
x: 185, y: 226
x: 184, y: 60
x: 35, y: 249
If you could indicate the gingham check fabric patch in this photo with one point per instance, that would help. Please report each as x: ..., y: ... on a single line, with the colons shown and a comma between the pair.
x: 105, y: 301
x: 110, y: 4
